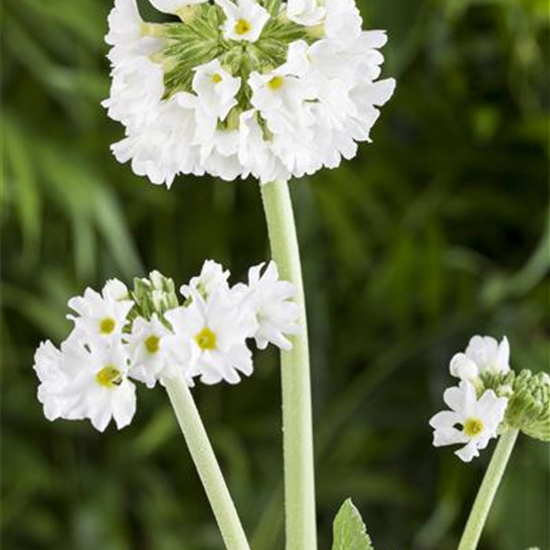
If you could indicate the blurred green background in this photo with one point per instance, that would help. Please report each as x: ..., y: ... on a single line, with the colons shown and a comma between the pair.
x: 437, y: 231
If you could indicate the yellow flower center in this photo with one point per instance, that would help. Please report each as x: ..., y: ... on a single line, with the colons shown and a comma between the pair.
x: 276, y: 83
x: 473, y: 427
x: 109, y: 377
x: 107, y: 325
x: 152, y: 344
x: 242, y: 26
x: 216, y: 78
x: 206, y: 339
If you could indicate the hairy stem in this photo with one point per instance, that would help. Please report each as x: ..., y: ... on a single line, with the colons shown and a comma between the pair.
x: 487, y: 491
x: 296, y: 386
x: 209, y: 471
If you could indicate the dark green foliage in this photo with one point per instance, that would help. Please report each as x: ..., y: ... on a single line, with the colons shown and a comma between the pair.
x: 437, y: 231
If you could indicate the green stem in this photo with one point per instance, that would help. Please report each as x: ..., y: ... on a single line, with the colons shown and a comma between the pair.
x: 209, y: 471
x: 301, y: 531
x: 488, y: 490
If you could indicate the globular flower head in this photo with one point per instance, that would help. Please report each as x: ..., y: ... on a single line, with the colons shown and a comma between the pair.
x: 471, y: 422
x: 243, y: 88
x: 145, y: 335
x: 484, y: 354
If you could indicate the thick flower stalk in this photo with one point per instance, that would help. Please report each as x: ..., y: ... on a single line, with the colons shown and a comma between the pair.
x: 266, y: 89
x: 146, y: 336
x: 295, y: 374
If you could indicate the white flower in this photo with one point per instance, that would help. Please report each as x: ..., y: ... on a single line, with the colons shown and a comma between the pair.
x: 343, y: 20
x: 55, y: 369
x: 483, y: 354
x: 305, y: 12
x: 86, y: 381
x: 100, y: 315
x: 245, y: 19
x: 271, y: 301
x: 280, y: 95
x: 136, y: 92
x: 219, y: 152
x: 173, y: 6
x: 166, y: 146
x: 216, y: 89
x: 116, y: 290
x: 149, y: 359
x: 210, y: 337
x: 125, y: 33
x: 212, y: 278
x: 257, y: 154
x: 470, y: 421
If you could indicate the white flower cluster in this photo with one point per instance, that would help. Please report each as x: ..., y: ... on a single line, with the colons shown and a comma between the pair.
x: 473, y: 419
x: 207, y: 337
x: 248, y: 88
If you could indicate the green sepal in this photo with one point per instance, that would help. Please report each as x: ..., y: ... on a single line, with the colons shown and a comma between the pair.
x: 349, y: 529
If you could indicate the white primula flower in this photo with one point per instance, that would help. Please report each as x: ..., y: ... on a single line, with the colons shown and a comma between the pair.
x: 257, y: 154
x: 271, y: 300
x: 219, y: 151
x: 212, y: 278
x: 245, y: 19
x: 125, y: 33
x: 280, y: 95
x: 116, y: 290
x: 173, y: 6
x: 210, y: 337
x: 149, y: 359
x: 216, y: 89
x: 470, y: 421
x: 86, y: 381
x: 100, y: 315
x: 306, y: 12
x: 56, y: 369
x: 343, y: 20
x: 483, y: 354
x: 136, y: 92
x: 166, y: 146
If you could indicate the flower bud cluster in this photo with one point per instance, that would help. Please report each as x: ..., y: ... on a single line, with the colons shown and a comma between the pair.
x: 146, y: 335
x: 491, y: 397
x: 528, y: 401
x: 259, y: 88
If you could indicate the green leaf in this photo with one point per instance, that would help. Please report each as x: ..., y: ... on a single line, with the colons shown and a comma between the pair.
x: 350, y: 532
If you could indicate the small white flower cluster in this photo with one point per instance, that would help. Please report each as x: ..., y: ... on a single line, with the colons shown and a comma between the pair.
x: 207, y: 337
x: 248, y: 88
x: 473, y: 419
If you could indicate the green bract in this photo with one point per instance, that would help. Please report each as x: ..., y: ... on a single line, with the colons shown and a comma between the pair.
x: 198, y: 39
x: 528, y: 400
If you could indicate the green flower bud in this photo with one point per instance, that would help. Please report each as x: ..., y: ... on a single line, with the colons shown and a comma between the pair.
x: 528, y: 400
x: 156, y: 294
x: 529, y: 406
